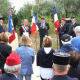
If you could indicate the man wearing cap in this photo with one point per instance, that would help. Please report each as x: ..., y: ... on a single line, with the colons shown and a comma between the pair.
x: 72, y: 26
x: 76, y: 40
x: 12, y: 67
x: 43, y: 29
x: 1, y: 27
x: 62, y: 29
x: 61, y: 66
x: 67, y: 46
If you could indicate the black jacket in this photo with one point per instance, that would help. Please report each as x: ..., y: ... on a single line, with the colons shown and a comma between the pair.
x: 5, y: 50
x: 44, y: 31
x: 71, y: 29
x: 43, y: 59
x: 21, y: 30
x: 1, y: 29
x: 74, y: 72
x: 8, y: 76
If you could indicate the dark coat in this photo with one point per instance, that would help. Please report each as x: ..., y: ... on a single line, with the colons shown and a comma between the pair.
x: 63, y: 77
x: 1, y: 29
x: 5, y: 50
x: 21, y: 30
x: 74, y: 72
x: 71, y: 29
x: 67, y: 48
x: 43, y: 59
x: 44, y: 31
x: 8, y: 76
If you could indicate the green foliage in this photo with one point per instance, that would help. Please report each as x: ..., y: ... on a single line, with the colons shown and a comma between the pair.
x: 78, y: 18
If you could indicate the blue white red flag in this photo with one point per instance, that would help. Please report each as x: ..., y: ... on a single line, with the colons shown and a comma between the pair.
x: 11, y: 27
x: 34, y: 26
x: 56, y: 21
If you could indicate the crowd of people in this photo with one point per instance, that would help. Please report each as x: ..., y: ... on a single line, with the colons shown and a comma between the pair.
x: 63, y: 64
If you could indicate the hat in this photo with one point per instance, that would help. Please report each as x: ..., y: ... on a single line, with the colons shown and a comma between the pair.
x: 65, y: 37
x: 73, y: 17
x: 63, y: 19
x: 1, y: 18
x: 77, y: 29
x: 42, y: 18
x: 13, y: 59
x: 61, y: 58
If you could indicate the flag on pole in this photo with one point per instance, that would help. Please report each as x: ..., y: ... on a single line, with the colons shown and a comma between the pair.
x: 10, y: 26
x: 56, y: 21
x: 34, y: 26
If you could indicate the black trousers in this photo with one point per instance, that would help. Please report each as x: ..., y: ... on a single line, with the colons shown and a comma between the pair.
x: 41, y: 41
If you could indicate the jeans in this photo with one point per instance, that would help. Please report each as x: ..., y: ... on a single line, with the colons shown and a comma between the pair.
x: 27, y: 77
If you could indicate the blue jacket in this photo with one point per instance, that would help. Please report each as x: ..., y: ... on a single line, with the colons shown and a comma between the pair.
x: 8, y: 76
x: 67, y: 48
x: 27, y: 55
x: 76, y: 42
x: 63, y: 77
x: 42, y: 31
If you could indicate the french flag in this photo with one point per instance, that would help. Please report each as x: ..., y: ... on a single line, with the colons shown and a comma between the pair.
x: 34, y: 26
x: 11, y: 27
x: 56, y: 21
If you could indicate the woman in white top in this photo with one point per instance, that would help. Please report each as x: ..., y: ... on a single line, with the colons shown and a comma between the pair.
x: 44, y: 59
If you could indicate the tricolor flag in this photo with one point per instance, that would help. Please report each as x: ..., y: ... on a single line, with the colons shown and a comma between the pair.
x: 56, y: 21
x: 10, y: 26
x: 34, y: 26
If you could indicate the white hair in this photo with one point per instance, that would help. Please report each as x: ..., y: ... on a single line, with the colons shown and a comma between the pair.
x: 60, y: 68
x: 11, y: 68
x: 69, y: 42
x: 77, y: 29
x: 25, y: 20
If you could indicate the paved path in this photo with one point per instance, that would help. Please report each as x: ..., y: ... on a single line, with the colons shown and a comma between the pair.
x: 36, y: 75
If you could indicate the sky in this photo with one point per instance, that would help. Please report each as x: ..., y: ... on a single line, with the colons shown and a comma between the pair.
x: 19, y: 3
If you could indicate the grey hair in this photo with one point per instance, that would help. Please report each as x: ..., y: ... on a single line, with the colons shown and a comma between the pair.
x: 25, y: 20
x: 11, y: 68
x: 77, y: 29
x: 60, y: 68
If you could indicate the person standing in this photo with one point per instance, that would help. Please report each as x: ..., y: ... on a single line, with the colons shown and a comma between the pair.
x: 62, y: 29
x: 72, y: 26
x: 43, y: 29
x: 61, y: 66
x: 27, y: 56
x: 1, y: 27
x: 44, y: 59
x: 25, y: 29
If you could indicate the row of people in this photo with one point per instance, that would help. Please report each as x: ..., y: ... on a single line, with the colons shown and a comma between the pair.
x: 44, y: 57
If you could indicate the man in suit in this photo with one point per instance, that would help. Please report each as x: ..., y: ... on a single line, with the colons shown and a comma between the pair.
x: 61, y: 66
x: 62, y: 29
x: 1, y: 27
x: 12, y: 67
x: 43, y: 30
x: 72, y: 26
x: 25, y: 29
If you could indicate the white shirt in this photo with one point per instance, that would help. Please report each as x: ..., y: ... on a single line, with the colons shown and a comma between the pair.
x: 43, y: 24
x: 46, y: 73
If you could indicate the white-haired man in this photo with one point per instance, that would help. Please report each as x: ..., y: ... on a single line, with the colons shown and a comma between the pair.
x: 25, y: 28
x: 67, y: 46
x: 12, y: 67
x: 61, y: 66
x: 76, y: 40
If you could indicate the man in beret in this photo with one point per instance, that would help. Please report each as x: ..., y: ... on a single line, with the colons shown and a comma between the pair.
x: 12, y: 67
x: 61, y: 66
x: 62, y: 29
x: 1, y: 27
x: 72, y: 26
x: 43, y: 29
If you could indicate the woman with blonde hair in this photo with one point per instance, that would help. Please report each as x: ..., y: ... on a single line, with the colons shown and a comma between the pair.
x: 44, y: 59
x: 27, y: 55
x: 5, y: 50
